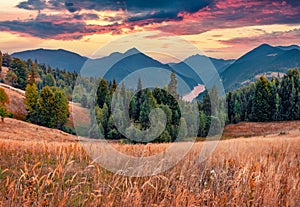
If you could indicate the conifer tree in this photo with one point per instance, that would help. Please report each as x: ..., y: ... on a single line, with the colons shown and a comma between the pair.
x: 31, y: 101
x: 172, y: 87
x: 19, y: 67
x: 102, y: 92
x: 46, y: 110
x: 1, y: 60
x: 148, y: 104
x: 261, y: 108
x: 3, y: 100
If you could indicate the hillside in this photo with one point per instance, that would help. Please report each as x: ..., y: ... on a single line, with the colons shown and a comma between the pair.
x: 16, y: 101
x: 264, y: 58
x: 16, y: 130
x: 35, y: 162
x: 18, y: 108
x: 252, y: 129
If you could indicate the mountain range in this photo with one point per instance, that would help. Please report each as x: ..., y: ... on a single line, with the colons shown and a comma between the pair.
x: 264, y: 58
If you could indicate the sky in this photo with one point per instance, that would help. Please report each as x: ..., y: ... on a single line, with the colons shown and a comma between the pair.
x: 218, y: 28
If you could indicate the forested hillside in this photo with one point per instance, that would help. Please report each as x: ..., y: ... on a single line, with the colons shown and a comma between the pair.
x: 49, y: 90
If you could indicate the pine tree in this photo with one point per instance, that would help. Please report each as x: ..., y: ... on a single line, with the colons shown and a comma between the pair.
x: 237, y: 112
x: 3, y: 97
x: 6, y: 59
x: 61, y: 108
x: 53, y: 108
x: 288, y: 92
x: 136, y: 102
x: 84, y: 101
x: 33, y: 73
x: 46, y: 110
x: 3, y: 100
x: 261, y: 108
x: 1, y: 61
x: 172, y: 87
x: 202, y: 124
x: 31, y: 101
x: 102, y: 92
x: 19, y: 67
x: 48, y: 80
x: 103, y: 119
x: 148, y: 104
x: 230, y: 107
x: 12, y: 78
x: 183, y: 132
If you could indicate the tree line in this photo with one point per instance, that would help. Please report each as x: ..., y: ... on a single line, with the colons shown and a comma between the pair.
x: 49, y: 90
x: 266, y: 100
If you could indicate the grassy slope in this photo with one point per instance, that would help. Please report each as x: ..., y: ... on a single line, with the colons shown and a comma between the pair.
x: 18, y: 108
x: 41, y: 167
x: 35, y: 162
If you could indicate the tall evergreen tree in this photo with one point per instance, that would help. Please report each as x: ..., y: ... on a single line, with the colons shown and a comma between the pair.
x: 53, y: 109
x: 46, y: 110
x: 3, y: 100
x: 148, y: 104
x: 102, y: 92
x: 172, y: 87
x: 33, y: 73
x: 1, y: 60
x: 31, y: 101
x: 261, y: 108
x: 19, y: 67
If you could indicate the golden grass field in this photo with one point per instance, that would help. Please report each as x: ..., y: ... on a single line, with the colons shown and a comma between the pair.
x: 46, y: 167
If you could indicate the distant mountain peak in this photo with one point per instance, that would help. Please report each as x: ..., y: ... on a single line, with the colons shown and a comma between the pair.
x: 265, y: 45
x: 132, y: 51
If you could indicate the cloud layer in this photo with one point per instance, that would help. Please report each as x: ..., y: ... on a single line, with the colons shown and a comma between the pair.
x: 61, y: 19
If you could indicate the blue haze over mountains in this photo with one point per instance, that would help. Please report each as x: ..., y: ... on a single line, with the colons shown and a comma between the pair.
x: 264, y: 58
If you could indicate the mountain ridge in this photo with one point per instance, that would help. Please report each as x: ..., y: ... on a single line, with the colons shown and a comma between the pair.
x: 263, y: 58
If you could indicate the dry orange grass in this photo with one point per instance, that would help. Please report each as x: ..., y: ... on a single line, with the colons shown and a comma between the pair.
x: 261, y: 171
x: 250, y: 129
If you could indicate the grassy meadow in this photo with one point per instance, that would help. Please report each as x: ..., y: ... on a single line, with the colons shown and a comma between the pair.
x: 52, y: 169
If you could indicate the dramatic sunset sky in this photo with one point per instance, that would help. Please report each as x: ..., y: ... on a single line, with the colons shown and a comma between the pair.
x: 220, y: 28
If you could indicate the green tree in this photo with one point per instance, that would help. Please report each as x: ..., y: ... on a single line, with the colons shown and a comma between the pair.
x: 261, y: 108
x: 19, y: 67
x: 84, y: 101
x: 138, y: 100
x: 46, y: 110
x: 33, y: 73
x: 3, y: 97
x: 53, y: 109
x: 6, y: 59
x: 61, y: 108
x: 3, y: 100
x: 288, y: 92
x: 102, y: 116
x: 48, y: 80
x: 202, y: 124
x: 31, y: 101
x: 237, y: 112
x: 102, y: 92
x: 172, y: 87
x: 148, y: 104
x: 183, y: 133
x: 1, y: 61
x: 12, y: 78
